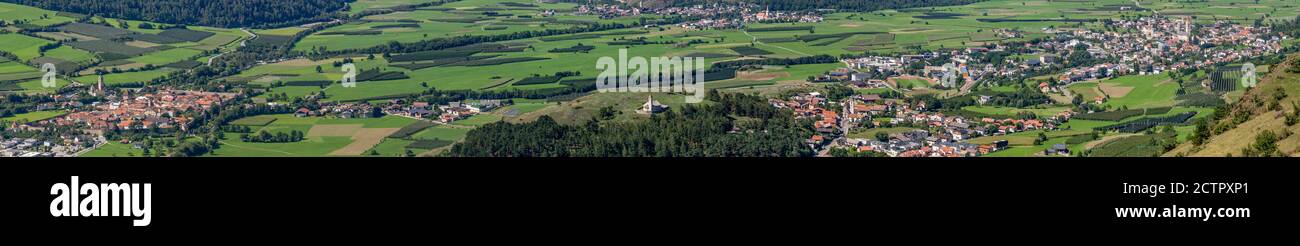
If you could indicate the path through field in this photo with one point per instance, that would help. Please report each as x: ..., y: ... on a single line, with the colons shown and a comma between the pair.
x: 365, y: 139
x: 1107, y: 139
x: 774, y: 46
x: 225, y: 144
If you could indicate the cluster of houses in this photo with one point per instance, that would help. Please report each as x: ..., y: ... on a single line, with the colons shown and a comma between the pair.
x: 31, y: 147
x: 781, y: 16
x: 920, y: 143
x: 447, y: 113
x: 1146, y: 45
x: 939, y: 134
x: 861, y: 68
x: 165, y: 109
x: 454, y: 111
x: 811, y: 106
x: 607, y: 11
x: 337, y: 110
x: 947, y: 133
x: 1151, y: 45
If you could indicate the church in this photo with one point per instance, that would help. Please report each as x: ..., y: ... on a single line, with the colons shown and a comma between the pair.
x: 651, y: 106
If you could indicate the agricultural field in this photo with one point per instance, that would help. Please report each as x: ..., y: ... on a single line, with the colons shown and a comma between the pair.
x: 33, y: 116
x: 344, y: 137
x: 128, y: 77
x: 69, y: 54
x: 362, y: 5
x: 453, y: 19
x: 581, y: 109
x: 12, y: 73
x: 35, y: 16
x: 1139, y: 91
x: 166, y: 57
x: 888, y: 31
x: 300, y: 70
x: 441, y: 132
x: 324, y: 136
x: 535, y: 64
x: 1011, y: 112
x: 23, y: 46
x: 113, y: 48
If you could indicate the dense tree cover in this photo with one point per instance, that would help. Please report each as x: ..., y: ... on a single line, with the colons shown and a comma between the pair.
x: 817, y: 59
x: 1291, y: 28
x: 263, y: 48
x: 692, y: 130
x: 19, y: 103
x: 220, y: 13
x: 279, y: 137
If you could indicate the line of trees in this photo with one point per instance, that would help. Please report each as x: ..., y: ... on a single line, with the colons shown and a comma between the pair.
x: 279, y: 137
x: 817, y: 59
x: 219, y: 13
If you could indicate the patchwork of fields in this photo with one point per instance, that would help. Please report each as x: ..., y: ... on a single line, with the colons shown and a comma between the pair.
x: 387, y: 136
x: 890, y: 31
x: 1147, y: 97
x: 123, y: 49
x: 132, y: 56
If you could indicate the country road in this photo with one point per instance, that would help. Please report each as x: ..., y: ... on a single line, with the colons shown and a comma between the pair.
x: 241, y: 44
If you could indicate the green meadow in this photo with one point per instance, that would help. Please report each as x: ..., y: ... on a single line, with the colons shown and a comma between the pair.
x: 315, y: 144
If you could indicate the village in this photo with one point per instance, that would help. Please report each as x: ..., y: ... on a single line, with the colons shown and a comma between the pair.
x: 943, y: 135
x: 83, y: 126
x: 1146, y: 45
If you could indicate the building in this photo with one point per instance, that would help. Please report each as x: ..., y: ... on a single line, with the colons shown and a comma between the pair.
x: 651, y: 106
x: 1058, y: 149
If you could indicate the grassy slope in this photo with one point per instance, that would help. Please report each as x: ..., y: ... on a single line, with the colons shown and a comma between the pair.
x: 1233, y: 141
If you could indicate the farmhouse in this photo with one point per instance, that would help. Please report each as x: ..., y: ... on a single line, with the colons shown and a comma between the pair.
x: 1058, y: 149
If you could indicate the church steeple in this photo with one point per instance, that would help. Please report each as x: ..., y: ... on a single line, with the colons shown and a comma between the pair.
x: 100, y: 85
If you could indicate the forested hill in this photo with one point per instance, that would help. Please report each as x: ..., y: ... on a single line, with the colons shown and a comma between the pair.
x: 845, y: 5
x: 220, y: 13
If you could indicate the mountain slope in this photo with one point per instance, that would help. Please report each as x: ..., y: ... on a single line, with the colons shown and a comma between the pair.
x: 1253, y: 116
